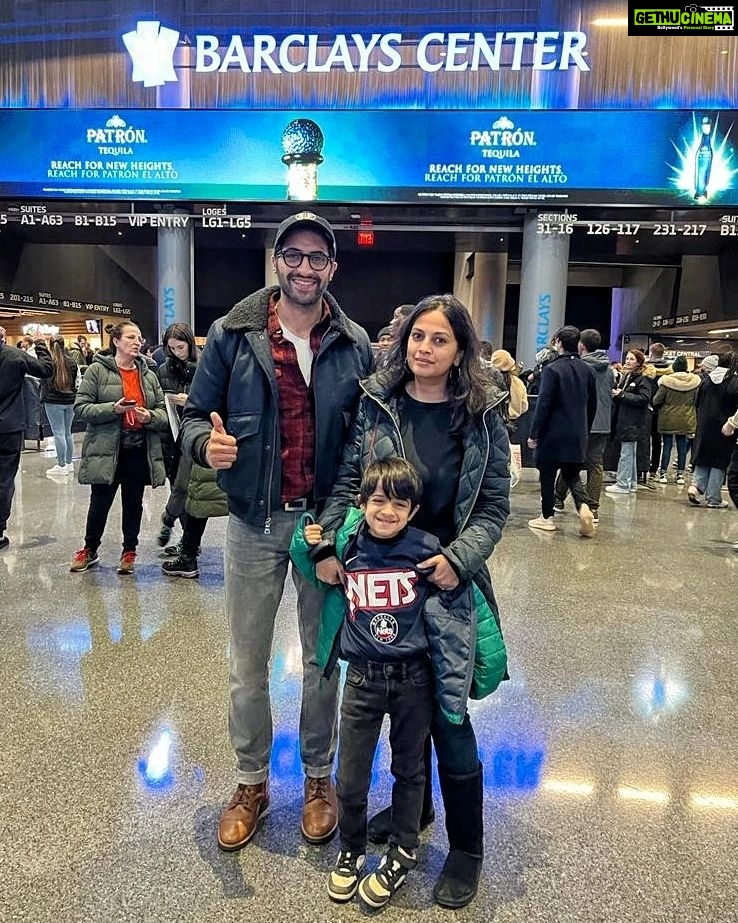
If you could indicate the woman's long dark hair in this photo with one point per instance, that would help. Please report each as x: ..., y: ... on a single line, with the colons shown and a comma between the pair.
x: 61, y: 380
x: 184, y: 333
x: 467, y: 383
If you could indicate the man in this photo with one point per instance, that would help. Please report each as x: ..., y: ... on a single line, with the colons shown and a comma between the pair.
x: 15, y: 364
x: 565, y: 410
x: 269, y: 407
x: 398, y: 319
x: 656, y: 366
x: 597, y: 360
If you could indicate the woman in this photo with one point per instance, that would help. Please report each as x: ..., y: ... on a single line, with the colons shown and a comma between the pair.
x: 631, y: 410
x: 433, y: 405
x: 176, y: 374
x: 122, y: 403
x: 717, y: 399
x: 518, y: 403
x: 57, y: 396
x: 676, y: 400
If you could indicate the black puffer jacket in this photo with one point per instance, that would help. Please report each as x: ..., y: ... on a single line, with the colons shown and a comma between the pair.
x: 631, y: 408
x: 483, y: 497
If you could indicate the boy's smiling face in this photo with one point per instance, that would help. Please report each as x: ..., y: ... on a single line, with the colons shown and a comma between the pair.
x: 386, y: 516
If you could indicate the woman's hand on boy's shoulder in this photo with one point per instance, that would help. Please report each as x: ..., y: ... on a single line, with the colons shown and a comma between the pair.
x: 313, y: 533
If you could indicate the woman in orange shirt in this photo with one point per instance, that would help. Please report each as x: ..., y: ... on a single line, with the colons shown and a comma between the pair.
x: 122, y: 403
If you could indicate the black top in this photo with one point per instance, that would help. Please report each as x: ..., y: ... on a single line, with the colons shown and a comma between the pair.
x: 437, y: 454
x: 386, y: 596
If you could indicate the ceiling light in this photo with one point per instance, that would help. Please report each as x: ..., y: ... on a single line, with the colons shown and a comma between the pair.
x: 724, y: 330
x: 702, y: 800
x: 610, y: 21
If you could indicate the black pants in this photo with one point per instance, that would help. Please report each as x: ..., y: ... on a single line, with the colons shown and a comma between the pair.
x: 732, y: 477
x: 404, y: 691
x: 593, y: 466
x: 570, y: 474
x: 194, y: 527
x: 655, y: 462
x: 132, y: 475
x: 11, y: 445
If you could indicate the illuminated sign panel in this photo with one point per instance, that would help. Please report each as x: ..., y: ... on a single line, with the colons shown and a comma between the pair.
x: 666, y: 157
x: 151, y: 47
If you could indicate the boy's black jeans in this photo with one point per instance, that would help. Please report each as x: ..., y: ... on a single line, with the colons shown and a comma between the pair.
x: 404, y: 691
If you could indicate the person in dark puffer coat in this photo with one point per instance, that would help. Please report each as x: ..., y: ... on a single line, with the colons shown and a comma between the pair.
x: 432, y: 405
x: 631, y: 421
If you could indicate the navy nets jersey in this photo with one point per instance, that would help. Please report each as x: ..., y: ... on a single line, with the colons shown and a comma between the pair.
x: 386, y: 595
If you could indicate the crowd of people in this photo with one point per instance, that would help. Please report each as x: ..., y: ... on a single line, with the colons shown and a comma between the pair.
x: 280, y: 423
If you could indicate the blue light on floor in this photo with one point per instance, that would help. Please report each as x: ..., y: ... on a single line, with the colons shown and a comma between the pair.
x: 155, y: 768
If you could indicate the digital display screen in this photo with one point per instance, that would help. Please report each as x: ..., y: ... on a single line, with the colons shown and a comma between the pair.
x: 676, y: 158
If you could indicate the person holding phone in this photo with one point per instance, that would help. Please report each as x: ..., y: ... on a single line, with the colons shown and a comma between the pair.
x: 121, y: 401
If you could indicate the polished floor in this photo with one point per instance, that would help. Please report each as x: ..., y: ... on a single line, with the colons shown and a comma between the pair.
x: 611, y: 771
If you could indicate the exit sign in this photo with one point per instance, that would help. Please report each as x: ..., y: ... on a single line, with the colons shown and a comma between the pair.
x: 365, y: 238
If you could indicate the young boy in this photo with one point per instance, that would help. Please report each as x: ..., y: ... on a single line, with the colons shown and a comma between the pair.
x: 383, y: 638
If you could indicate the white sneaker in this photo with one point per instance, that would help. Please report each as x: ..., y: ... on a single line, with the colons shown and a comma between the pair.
x: 586, y: 521
x: 616, y: 489
x: 57, y: 471
x: 545, y: 525
x: 69, y: 468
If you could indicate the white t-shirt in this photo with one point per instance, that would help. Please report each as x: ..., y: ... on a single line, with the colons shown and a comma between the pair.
x: 304, y: 353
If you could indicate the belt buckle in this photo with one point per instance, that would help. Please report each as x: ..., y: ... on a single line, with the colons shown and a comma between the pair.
x: 296, y: 506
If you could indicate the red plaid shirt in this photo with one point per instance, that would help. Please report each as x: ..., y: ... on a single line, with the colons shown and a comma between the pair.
x: 296, y: 407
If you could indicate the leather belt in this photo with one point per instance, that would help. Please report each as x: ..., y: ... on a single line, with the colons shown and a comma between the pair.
x: 297, y: 506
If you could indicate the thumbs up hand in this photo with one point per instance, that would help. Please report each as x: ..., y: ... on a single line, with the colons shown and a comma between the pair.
x: 221, y: 450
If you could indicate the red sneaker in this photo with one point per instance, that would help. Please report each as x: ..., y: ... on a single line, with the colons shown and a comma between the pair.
x: 83, y: 559
x: 127, y: 562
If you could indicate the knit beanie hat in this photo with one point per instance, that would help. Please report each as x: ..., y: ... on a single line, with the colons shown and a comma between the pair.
x: 679, y: 364
x: 709, y: 363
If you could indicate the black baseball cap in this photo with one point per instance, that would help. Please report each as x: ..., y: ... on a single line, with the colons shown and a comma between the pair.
x: 311, y: 221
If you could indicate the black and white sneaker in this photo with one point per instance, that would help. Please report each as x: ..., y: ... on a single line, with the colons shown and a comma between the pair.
x: 344, y: 879
x: 377, y: 889
x: 181, y: 566
x: 558, y: 506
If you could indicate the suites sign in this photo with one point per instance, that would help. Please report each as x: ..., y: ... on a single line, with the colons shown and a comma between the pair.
x: 151, y: 47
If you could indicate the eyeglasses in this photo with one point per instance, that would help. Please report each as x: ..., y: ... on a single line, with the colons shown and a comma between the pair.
x: 293, y: 258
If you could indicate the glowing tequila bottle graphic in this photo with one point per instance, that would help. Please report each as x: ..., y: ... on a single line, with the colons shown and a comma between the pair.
x: 703, y: 162
x: 302, y: 143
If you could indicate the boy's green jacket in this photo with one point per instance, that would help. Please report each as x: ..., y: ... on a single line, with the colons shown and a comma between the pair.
x: 465, y: 643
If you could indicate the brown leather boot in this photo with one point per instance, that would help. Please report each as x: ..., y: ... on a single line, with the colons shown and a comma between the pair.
x: 239, y: 820
x: 320, y: 811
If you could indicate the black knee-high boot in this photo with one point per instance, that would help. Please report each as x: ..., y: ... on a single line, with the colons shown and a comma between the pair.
x: 462, y: 799
x: 380, y: 826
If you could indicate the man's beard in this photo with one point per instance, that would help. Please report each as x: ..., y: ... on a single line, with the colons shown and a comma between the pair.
x: 307, y: 299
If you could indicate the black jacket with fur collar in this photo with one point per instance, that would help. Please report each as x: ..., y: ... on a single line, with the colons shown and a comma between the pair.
x: 235, y: 377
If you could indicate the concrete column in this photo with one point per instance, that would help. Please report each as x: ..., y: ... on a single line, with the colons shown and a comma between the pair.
x: 175, y: 246
x: 480, y: 281
x: 175, y: 282
x: 543, y: 278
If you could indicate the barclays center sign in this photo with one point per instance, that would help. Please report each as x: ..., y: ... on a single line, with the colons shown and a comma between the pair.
x: 152, y: 46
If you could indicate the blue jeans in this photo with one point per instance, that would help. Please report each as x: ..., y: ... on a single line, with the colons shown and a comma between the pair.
x: 709, y: 481
x: 256, y: 566
x: 681, y: 446
x: 404, y: 691
x: 60, y: 420
x: 627, y: 476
